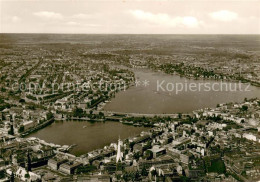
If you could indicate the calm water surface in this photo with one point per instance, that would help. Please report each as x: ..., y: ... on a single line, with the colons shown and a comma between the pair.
x: 147, y: 99
x: 88, y: 136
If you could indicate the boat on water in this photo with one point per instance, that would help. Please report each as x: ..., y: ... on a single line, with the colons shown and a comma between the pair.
x: 84, y: 126
x: 127, y: 122
x: 137, y: 124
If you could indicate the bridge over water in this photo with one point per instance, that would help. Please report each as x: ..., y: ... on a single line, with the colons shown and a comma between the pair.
x: 112, y: 113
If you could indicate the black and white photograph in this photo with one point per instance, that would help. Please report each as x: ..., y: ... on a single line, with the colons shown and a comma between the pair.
x: 129, y: 91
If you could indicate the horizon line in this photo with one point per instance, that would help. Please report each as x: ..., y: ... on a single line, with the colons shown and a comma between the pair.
x: 131, y: 33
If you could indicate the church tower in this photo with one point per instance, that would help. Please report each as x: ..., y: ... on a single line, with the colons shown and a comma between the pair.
x: 119, y: 154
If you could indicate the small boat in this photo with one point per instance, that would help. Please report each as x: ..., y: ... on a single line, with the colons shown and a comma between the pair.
x: 137, y: 124
x: 84, y: 126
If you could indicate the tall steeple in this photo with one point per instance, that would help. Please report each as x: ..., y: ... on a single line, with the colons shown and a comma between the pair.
x: 119, y: 154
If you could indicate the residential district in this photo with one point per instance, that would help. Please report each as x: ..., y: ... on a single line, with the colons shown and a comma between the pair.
x: 213, y: 144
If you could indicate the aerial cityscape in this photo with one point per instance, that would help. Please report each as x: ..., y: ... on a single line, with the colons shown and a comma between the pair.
x: 127, y: 106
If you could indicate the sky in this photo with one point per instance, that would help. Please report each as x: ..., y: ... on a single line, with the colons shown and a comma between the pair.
x: 130, y: 17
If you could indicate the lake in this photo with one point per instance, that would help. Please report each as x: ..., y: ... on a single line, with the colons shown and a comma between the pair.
x: 87, y: 136
x: 148, y: 99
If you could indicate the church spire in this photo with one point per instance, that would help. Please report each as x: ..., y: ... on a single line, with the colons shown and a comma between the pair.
x: 119, y: 154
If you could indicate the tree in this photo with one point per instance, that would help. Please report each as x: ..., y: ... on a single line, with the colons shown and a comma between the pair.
x: 85, y: 169
x: 144, y: 172
x: 2, y: 174
x: 3, y: 89
x: 148, y: 155
x: 244, y: 108
x: 49, y: 115
x: 137, y: 176
x: 125, y: 177
x: 179, y: 115
x: 154, y: 172
x: 21, y: 129
x: 27, y: 175
x: 78, y: 112
x: 101, y: 114
x: 136, y: 155
x: 22, y: 101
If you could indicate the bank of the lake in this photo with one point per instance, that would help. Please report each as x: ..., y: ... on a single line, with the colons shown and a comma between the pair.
x: 86, y: 135
x: 141, y: 99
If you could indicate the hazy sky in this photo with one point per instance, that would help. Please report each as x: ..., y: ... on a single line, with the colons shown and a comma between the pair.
x: 135, y: 16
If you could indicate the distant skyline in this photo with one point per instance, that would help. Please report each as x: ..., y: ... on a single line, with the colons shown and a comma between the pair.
x: 130, y: 17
